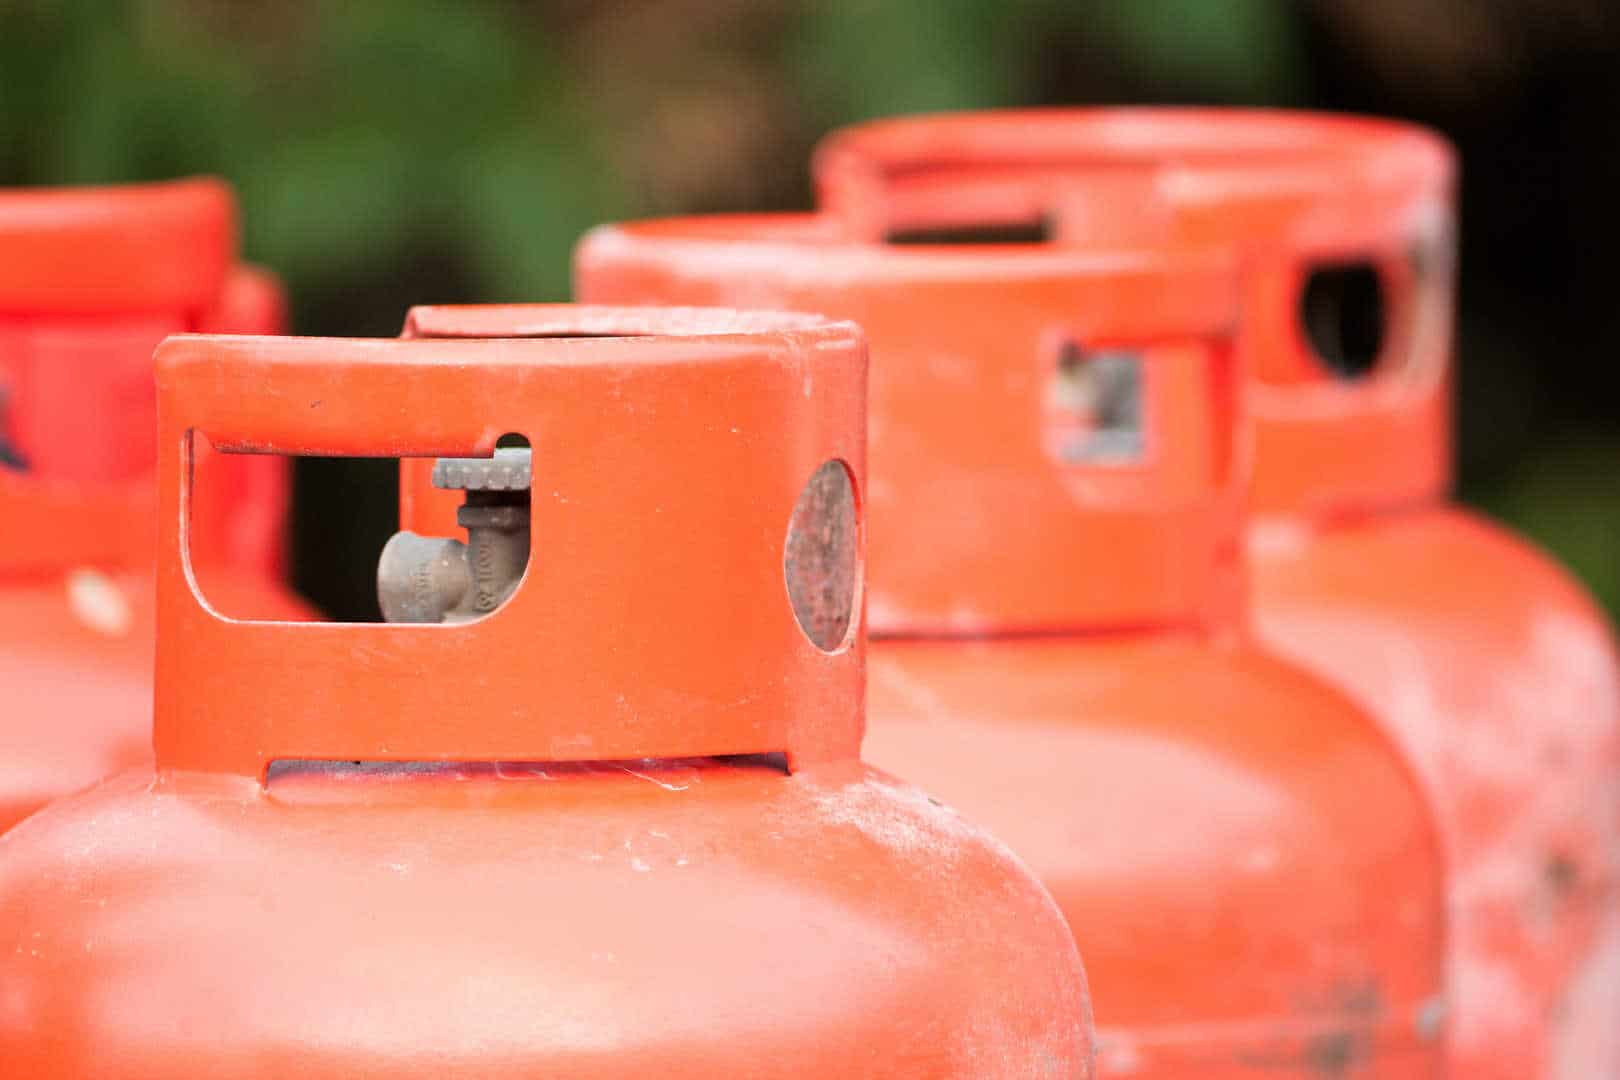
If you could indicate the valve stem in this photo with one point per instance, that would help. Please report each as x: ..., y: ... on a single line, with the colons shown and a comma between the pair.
x: 426, y: 579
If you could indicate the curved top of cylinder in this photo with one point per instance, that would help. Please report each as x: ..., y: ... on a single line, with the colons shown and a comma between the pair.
x: 1128, y: 290
x: 1004, y: 497
x: 426, y: 509
x: 658, y: 616
x: 1307, y: 198
x: 123, y: 248
x: 1193, y: 155
x: 1195, y: 135
x: 601, y: 320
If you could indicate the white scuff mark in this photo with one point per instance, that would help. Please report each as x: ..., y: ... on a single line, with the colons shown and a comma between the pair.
x: 1279, y: 537
x: 99, y: 602
x: 879, y: 611
x: 1469, y: 740
x: 1528, y: 743
x: 1586, y: 1041
x: 903, y: 818
x: 508, y: 770
x: 968, y: 620
x: 1496, y: 1005
x: 651, y: 850
x: 1117, y: 1056
x: 889, y: 822
x: 688, y: 778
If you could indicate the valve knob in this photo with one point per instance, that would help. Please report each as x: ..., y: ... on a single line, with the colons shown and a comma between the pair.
x: 507, y: 470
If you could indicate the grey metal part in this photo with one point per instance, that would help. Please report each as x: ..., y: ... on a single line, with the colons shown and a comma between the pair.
x: 507, y: 470
x: 421, y: 579
x: 496, y: 558
x: 433, y: 580
x: 1106, y: 388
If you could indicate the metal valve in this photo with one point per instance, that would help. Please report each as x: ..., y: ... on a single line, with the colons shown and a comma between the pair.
x: 1097, y: 399
x: 426, y: 579
x: 10, y: 456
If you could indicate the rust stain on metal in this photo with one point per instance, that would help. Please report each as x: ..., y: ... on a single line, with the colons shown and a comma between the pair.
x: 821, y: 563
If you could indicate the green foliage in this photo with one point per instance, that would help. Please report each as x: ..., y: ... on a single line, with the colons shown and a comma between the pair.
x: 1236, y: 51
x: 862, y: 59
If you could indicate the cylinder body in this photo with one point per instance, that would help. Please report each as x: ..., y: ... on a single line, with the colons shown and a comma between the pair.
x: 618, y: 825
x: 1065, y: 654
x: 1491, y: 669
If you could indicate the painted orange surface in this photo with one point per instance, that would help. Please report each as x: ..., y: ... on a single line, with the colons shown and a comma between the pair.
x: 1251, y: 879
x: 1494, y: 670
x: 1489, y: 666
x: 92, y: 280
x: 1286, y: 191
x: 1059, y: 646
x: 500, y: 849
x: 965, y: 433
x: 76, y: 667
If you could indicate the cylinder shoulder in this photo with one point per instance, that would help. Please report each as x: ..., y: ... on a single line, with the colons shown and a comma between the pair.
x: 1230, y: 706
x: 1205, y: 815
x: 1480, y: 653
x: 534, y: 916
x: 1442, y: 563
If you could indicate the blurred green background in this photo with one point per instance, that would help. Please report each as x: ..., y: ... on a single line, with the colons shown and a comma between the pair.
x: 411, y: 151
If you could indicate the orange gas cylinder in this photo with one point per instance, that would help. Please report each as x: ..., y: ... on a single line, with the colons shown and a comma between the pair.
x: 608, y: 820
x: 1055, y: 537
x: 91, y: 280
x: 1491, y: 667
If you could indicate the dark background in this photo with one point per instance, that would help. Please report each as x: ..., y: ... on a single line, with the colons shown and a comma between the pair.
x: 408, y: 151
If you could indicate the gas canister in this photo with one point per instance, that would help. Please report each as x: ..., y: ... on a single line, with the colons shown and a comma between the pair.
x: 1057, y: 603
x: 91, y: 279
x: 1490, y: 666
x: 599, y: 811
